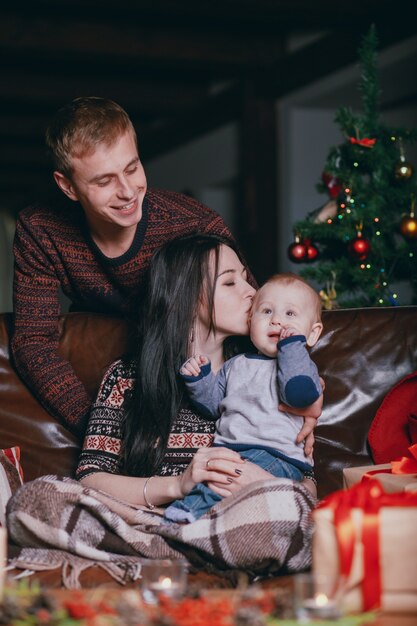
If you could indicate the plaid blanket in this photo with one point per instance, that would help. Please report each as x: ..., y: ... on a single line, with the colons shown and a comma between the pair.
x: 265, y: 529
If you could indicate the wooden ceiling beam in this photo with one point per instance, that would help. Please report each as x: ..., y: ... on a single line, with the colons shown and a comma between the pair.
x: 214, y: 112
x: 327, y: 55
x: 24, y: 155
x: 160, y: 97
x: 268, y: 17
x: 25, y: 127
x: 295, y: 71
x: 79, y: 65
x: 177, y: 47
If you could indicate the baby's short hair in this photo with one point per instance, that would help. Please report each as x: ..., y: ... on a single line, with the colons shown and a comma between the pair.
x: 289, y: 278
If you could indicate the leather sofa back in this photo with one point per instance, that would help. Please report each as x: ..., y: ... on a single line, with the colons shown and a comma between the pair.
x: 90, y: 342
x: 361, y: 355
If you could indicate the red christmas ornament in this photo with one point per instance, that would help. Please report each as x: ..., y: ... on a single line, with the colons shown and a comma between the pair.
x: 360, y: 247
x: 297, y: 251
x: 312, y: 251
x: 333, y: 184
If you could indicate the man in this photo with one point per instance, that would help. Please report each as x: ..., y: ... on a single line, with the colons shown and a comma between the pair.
x: 95, y: 249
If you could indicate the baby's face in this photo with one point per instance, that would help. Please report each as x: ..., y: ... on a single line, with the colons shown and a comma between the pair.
x: 278, y: 306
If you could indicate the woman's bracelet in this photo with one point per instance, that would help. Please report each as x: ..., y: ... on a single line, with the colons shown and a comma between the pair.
x: 311, y: 476
x: 145, y: 495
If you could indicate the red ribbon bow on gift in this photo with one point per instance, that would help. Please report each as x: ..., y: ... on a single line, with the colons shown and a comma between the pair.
x: 406, y: 464
x: 403, y: 465
x: 370, y: 497
x: 365, y: 142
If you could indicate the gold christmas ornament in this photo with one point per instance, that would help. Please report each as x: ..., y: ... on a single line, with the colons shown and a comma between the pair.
x: 328, y: 296
x: 408, y: 226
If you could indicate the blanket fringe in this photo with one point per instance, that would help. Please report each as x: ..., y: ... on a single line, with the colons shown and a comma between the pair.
x: 72, y: 568
x: 71, y: 572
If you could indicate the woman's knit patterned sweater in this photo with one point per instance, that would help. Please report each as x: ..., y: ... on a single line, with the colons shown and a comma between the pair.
x: 53, y: 249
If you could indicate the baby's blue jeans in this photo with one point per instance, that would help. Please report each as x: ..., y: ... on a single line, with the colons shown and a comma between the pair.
x: 201, y: 498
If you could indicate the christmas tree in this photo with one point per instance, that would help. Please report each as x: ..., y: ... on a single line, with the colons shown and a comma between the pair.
x: 362, y: 243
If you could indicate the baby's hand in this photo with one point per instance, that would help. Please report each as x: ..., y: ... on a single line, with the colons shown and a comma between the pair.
x: 287, y: 331
x: 192, y: 367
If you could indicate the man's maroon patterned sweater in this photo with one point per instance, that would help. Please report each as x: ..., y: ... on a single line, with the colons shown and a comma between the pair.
x: 53, y: 249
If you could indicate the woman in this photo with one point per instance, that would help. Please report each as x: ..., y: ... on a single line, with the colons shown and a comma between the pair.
x: 144, y: 444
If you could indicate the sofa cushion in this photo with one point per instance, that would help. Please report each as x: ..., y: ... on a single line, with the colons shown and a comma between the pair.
x: 394, y: 427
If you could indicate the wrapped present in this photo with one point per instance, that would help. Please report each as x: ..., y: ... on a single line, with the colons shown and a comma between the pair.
x: 390, y: 482
x: 365, y: 544
x: 399, y: 475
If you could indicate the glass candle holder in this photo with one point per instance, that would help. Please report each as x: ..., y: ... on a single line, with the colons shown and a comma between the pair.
x: 163, y: 577
x: 315, y: 598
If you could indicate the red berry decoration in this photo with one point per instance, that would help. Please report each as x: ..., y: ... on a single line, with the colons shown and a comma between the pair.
x: 360, y: 247
x: 297, y: 251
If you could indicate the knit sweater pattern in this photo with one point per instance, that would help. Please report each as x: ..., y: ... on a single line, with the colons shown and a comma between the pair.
x: 102, y: 449
x: 53, y: 249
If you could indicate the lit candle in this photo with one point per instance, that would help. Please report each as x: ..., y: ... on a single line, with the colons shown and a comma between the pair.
x: 321, y: 607
x: 165, y: 585
x: 163, y: 578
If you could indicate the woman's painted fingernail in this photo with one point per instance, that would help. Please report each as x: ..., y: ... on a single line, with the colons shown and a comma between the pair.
x: 238, y: 472
x: 229, y: 480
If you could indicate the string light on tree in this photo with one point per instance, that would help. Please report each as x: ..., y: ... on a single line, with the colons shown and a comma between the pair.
x: 403, y: 169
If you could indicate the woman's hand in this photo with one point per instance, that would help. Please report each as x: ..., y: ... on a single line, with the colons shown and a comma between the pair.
x: 249, y: 473
x: 311, y: 414
x: 211, y: 465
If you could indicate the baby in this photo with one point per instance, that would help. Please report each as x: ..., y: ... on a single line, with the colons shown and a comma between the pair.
x: 244, y: 395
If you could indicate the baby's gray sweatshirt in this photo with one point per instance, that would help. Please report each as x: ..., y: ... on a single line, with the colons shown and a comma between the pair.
x: 244, y: 395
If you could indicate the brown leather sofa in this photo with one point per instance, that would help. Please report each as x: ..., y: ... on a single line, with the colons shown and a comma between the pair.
x: 361, y: 355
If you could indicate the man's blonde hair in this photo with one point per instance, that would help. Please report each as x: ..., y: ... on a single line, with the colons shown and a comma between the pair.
x: 288, y: 278
x: 81, y: 125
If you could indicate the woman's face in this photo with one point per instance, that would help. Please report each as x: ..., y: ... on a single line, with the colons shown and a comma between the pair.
x: 232, y: 297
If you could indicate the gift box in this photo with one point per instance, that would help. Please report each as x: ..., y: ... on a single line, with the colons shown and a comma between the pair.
x: 365, y: 544
x: 399, y: 475
x: 390, y: 482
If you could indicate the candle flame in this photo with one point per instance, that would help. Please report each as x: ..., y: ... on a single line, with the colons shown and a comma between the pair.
x: 321, y: 599
x: 165, y: 582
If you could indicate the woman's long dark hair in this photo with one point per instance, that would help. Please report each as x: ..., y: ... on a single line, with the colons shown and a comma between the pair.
x: 178, y: 273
